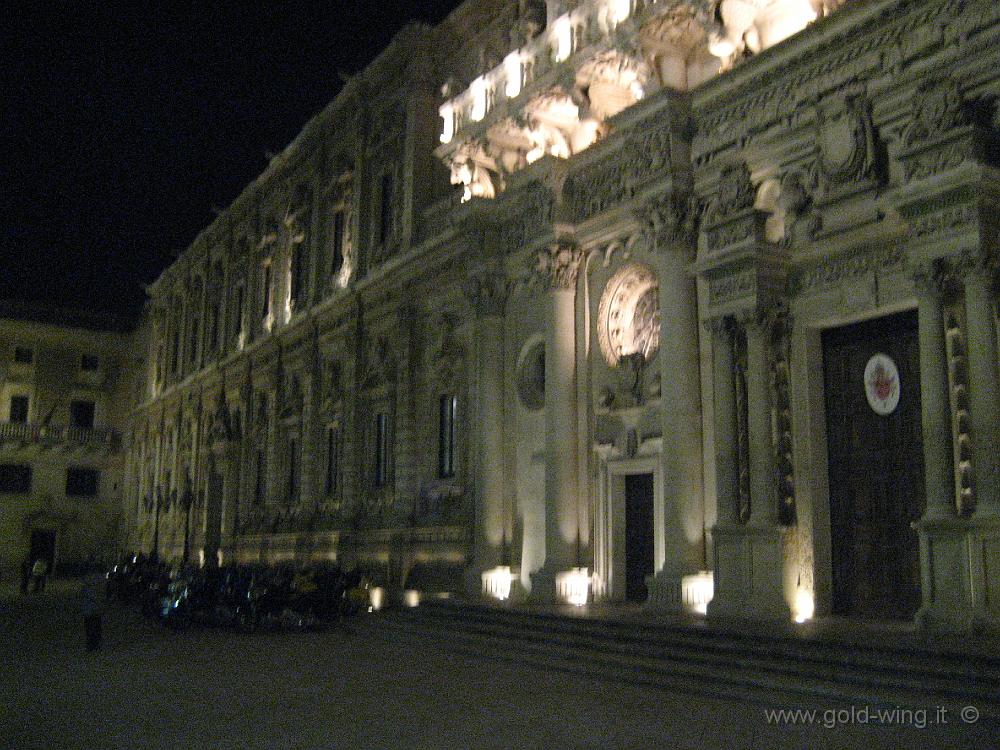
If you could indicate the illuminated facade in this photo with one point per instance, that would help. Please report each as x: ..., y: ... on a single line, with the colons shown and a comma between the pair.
x: 689, y: 303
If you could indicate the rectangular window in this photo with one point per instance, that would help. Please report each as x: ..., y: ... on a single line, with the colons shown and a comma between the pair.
x: 258, y: 488
x: 23, y: 355
x: 298, y: 273
x: 81, y: 414
x: 337, y: 250
x: 447, y: 431
x: 238, y: 316
x: 266, y: 310
x: 332, y: 467
x: 293, y: 470
x: 381, y: 450
x: 175, y: 351
x: 193, y: 343
x: 385, y: 207
x: 90, y: 363
x: 15, y: 478
x: 213, y: 329
x: 81, y: 482
x: 19, y: 409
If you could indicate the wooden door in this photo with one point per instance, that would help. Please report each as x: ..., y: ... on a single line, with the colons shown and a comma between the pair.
x: 638, y: 535
x: 876, y: 469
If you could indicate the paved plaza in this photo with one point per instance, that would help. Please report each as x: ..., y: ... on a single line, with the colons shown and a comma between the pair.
x: 365, y: 687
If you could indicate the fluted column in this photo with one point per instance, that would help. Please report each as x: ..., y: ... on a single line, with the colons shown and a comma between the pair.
x: 488, y: 295
x: 984, y: 384
x: 763, y: 490
x: 939, y: 470
x: 559, y: 266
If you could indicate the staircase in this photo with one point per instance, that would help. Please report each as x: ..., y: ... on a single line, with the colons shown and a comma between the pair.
x: 772, y: 668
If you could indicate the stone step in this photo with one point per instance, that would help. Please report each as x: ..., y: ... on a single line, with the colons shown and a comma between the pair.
x: 655, y: 654
x: 895, y: 655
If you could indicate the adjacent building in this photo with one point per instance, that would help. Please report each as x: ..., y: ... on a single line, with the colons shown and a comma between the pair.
x: 66, y: 384
x: 686, y: 302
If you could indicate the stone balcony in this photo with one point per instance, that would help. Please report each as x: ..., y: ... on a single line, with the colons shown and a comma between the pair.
x: 21, y: 436
x: 555, y: 93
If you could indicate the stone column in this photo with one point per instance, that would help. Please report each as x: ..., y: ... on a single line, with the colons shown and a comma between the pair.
x: 726, y: 437
x: 984, y: 385
x: 670, y: 221
x: 559, y: 266
x: 939, y: 469
x: 749, y: 571
x: 945, y: 586
x: 983, y: 536
x: 763, y: 491
x: 488, y: 295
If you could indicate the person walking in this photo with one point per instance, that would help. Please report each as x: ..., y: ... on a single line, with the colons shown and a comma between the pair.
x: 38, y: 572
x: 92, y: 594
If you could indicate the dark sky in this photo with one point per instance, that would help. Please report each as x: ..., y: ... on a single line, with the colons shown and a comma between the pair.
x: 123, y: 125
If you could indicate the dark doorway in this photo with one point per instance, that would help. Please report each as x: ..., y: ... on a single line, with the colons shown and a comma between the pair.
x: 638, y: 535
x: 876, y: 470
x: 43, y: 546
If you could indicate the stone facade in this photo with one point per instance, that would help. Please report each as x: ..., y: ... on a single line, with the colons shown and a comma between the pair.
x: 658, y: 210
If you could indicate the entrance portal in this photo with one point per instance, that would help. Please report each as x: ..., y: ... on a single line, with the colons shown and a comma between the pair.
x: 43, y: 546
x: 638, y: 535
x: 875, y: 464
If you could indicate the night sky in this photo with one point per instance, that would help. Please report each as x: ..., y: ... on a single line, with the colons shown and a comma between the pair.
x: 125, y: 125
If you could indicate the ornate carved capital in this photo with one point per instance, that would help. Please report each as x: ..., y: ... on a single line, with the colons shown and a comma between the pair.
x: 487, y: 292
x: 930, y: 279
x: 559, y: 264
x: 764, y: 317
x: 671, y: 220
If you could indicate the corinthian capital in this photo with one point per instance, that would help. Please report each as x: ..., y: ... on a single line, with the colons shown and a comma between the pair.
x: 559, y: 264
x: 671, y: 220
x: 487, y: 292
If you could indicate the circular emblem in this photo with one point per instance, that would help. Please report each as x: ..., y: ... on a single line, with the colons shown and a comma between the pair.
x: 882, y: 384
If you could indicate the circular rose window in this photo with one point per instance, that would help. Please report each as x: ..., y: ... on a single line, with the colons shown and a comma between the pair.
x: 629, y: 314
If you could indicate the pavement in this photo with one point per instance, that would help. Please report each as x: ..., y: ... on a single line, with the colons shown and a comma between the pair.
x: 365, y: 686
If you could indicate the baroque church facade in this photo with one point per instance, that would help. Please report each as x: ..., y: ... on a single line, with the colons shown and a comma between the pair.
x: 684, y: 302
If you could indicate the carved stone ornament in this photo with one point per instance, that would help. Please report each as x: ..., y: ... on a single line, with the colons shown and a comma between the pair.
x: 447, y: 355
x: 487, y: 292
x: 559, y: 264
x: 846, y: 143
x: 938, y: 107
x: 736, y: 194
x: 671, y: 219
x: 628, y: 317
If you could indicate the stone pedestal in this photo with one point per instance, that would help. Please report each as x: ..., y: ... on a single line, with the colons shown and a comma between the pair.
x: 984, y: 555
x: 748, y: 573
x: 945, y: 576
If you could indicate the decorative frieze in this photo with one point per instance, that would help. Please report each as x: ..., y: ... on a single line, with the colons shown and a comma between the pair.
x: 838, y: 270
x: 735, y: 195
x: 944, y: 220
x: 729, y: 289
